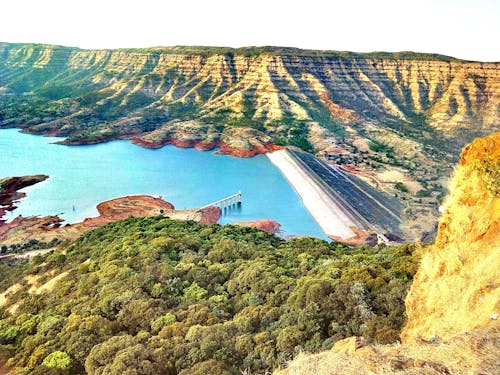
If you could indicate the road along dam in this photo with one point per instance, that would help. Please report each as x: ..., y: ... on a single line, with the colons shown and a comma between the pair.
x: 346, y: 208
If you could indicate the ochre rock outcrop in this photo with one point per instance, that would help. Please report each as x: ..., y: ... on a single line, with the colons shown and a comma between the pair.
x: 457, y: 287
x: 453, y: 324
x: 474, y: 352
x: 92, y: 96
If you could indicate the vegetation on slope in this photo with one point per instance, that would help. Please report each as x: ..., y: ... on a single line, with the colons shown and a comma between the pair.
x: 94, y: 95
x: 156, y: 296
x: 453, y: 302
x: 252, y: 51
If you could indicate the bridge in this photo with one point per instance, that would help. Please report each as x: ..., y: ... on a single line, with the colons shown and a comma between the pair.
x: 229, y: 201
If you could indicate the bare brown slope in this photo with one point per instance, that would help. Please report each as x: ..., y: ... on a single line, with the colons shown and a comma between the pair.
x: 46, y: 228
x: 457, y: 287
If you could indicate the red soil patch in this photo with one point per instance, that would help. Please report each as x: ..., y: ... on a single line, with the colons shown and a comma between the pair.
x: 30, y: 225
x: 255, y: 150
x: 210, y: 215
x: 136, y: 205
x: 361, y: 237
x: 48, y: 227
x: 200, y: 145
x: 269, y: 226
x: 346, y: 116
x: 123, y: 207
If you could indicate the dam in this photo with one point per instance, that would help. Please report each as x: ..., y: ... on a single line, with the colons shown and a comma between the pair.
x: 345, y: 207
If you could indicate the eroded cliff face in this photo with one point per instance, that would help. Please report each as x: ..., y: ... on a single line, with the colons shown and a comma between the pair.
x: 94, y: 95
x: 10, y: 194
x: 457, y: 287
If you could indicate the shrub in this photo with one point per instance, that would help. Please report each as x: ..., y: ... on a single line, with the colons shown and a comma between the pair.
x: 59, y: 360
x: 401, y: 187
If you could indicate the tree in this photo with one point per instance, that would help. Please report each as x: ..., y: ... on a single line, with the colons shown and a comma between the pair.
x: 162, y: 321
x: 59, y: 360
x: 208, y: 367
x: 401, y: 187
x: 194, y: 293
x: 160, y: 296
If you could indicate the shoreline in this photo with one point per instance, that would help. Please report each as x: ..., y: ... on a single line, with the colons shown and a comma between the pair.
x: 223, y: 146
x: 10, y: 194
x: 45, y: 223
x: 46, y: 228
x: 326, y: 211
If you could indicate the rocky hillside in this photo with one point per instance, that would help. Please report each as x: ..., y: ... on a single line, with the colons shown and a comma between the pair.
x: 9, y: 191
x: 457, y: 287
x: 454, y: 302
x: 249, y: 96
x: 396, y: 120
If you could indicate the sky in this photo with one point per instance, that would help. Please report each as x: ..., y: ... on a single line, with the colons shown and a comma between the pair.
x: 467, y: 29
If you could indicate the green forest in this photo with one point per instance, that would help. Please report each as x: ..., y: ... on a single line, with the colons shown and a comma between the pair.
x: 157, y: 296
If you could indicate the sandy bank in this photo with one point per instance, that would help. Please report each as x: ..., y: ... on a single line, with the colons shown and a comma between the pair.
x: 327, y: 213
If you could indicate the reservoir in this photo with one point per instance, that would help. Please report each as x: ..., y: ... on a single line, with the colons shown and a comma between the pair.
x: 80, y: 177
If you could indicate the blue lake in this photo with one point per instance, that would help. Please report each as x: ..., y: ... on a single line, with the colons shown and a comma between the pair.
x: 83, y: 176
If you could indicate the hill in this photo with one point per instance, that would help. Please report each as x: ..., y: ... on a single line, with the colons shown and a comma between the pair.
x: 397, y: 120
x: 210, y: 94
x: 457, y: 287
x: 453, y: 303
x: 157, y: 296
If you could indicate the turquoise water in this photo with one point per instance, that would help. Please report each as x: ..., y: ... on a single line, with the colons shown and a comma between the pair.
x: 83, y: 176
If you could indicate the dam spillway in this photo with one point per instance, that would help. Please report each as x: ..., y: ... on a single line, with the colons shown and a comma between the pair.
x: 342, y: 204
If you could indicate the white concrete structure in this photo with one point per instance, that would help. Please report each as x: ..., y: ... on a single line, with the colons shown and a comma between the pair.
x: 326, y: 211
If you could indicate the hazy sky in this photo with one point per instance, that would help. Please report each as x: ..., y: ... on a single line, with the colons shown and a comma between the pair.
x: 468, y: 29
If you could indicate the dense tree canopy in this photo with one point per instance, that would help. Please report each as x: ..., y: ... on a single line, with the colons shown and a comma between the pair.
x: 156, y: 296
